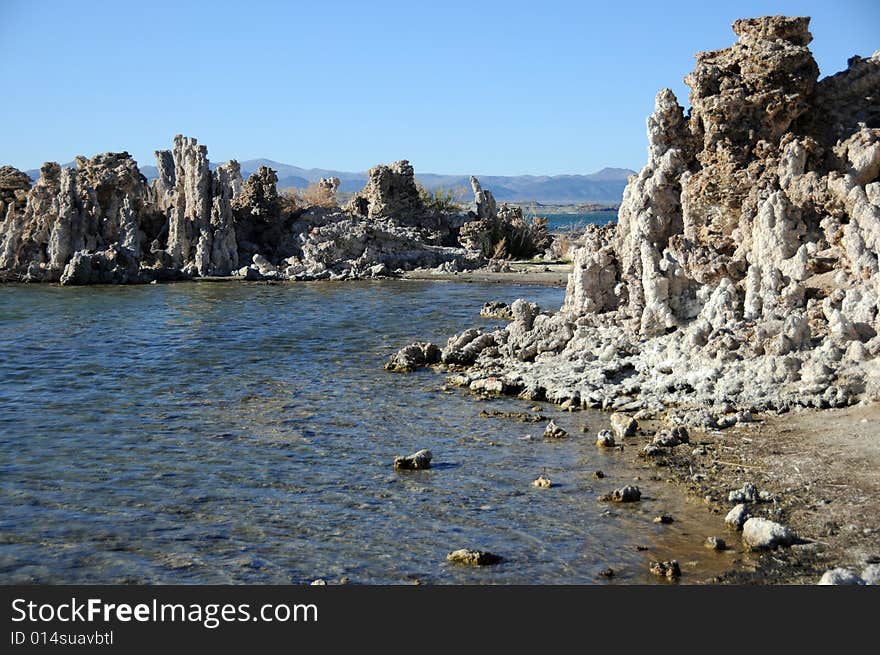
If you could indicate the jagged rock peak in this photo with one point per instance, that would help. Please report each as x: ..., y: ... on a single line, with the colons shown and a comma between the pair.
x: 794, y: 29
x: 484, y: 201
x: 12, y: 179
x: 259, y: 194
x: 390, y: 192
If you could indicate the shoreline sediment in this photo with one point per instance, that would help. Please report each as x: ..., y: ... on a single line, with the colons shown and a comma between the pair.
x: 812, y: 468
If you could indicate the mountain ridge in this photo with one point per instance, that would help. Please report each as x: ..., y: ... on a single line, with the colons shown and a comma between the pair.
x: 603, y: 186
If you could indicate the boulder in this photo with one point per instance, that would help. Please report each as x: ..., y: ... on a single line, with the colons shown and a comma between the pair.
x: 553, y: 431
x: 737, y: 517
x: 840, y: 576
x: 473, y: 557
x: 763, y: 534
x: 413, y: 357
x: 623, y: 425
x: 605, y: 439
x: 419, y: 460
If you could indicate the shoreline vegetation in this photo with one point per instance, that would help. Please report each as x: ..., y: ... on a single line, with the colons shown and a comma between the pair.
x: 728, y: 321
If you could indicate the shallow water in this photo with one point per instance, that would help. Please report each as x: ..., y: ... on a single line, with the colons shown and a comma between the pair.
x: 243, y: 433
x: 569, y: 222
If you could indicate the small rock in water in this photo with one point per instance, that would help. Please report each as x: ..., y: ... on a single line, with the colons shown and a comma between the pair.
x: 417, y: 461
x: 473, y: 557
x: 627, y: 494
x: 623, y: 425
x: 542, y: 483
x: 716, y: 543
x: 651, y: 450
x: 840, y: 577
x: 413, y: 357
x: 599, y: 475
x: 607, y: 573
x: 668, y: 569
x: 665, y: 519
x: 319, y: 583
x: 553, y: 431
x: 605, y: 439
x: 747, y: 494
x: 737, y: 517
x: 763, y: 534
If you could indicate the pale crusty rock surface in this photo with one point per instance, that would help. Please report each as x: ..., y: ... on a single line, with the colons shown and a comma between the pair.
x: 100, y: 222
x: 743, y: 272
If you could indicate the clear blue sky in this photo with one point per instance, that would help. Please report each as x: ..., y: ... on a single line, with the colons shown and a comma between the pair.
x: 505, y: 87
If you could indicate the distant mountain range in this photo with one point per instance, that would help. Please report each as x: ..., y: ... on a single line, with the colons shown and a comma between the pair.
x: 604, y: 186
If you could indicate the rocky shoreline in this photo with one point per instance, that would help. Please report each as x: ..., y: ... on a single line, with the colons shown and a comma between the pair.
x: 743, y: 275
x: 100, y: 222
x: 742, y: 279
x: 736, y: 297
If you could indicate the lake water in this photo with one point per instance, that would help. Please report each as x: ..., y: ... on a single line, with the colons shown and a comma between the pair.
x: 244, y: 433
x: 563, y: 222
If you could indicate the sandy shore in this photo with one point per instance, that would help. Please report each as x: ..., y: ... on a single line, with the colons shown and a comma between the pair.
x: 553, y: 274
x: 821, y: 467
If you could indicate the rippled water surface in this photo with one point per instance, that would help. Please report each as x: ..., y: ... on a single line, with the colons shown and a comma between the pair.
x: 243, y: 433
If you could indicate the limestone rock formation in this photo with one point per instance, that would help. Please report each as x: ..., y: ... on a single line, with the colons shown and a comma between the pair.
x: 385, y: 227
x: 14, y: 185
x: 99, y: 204
x: 743, y: 271
x: 391, y: 192
x: 502, y: 232
x: 101, y: 223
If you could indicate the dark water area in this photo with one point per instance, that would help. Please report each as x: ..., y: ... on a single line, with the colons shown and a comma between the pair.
x: 567, y: 222
x: 244, y: 433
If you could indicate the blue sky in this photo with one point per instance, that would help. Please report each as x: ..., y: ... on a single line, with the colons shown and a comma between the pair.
x: 455, y: 87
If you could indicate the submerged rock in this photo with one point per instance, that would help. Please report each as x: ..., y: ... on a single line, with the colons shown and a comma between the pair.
x: 715, y: 543
x: 553, y: 431
x: 418, y: 460
x: 473, y: 557
x: 413, y: 357
x: 542, y: 483
x: 626, y: 494
x: 668, y: 569
x: 605, y: 439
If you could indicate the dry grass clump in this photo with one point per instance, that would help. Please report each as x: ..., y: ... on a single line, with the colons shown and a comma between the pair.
x: 318, y: 195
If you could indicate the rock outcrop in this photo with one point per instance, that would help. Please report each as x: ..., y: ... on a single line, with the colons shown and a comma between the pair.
x: 502, y: 232
x: 391, y: 192
x: 101, y: 223
x: 743, y: 271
